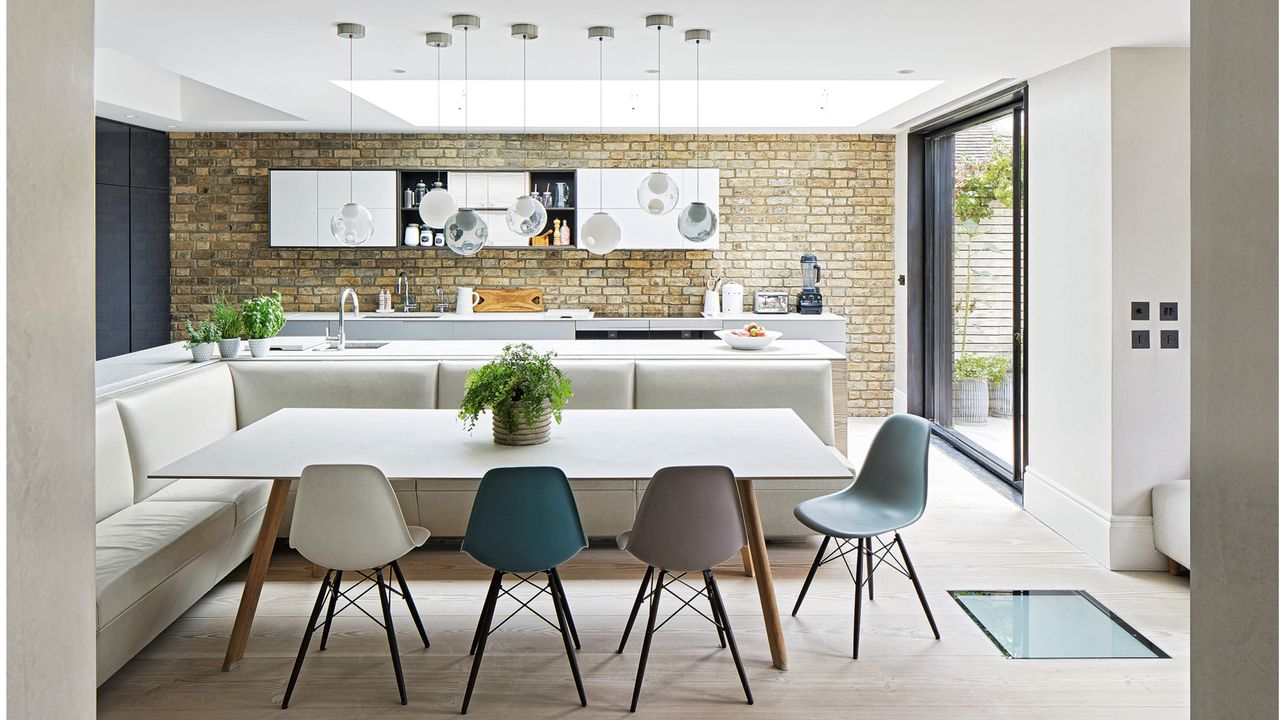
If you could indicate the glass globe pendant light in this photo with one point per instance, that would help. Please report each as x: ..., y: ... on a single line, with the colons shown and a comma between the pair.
x: 465, y: 232
x: 697, y: 222
x: 437, y: 206
x: 526, y: 216
x: 600, y: 234
x: 658, y: 193
x: 352, y: 224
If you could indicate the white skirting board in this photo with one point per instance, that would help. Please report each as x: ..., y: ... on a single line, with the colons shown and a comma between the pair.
x: 1118, y: 542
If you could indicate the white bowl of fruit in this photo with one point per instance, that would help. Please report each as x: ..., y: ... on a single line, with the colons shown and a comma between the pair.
x: 751, y: 336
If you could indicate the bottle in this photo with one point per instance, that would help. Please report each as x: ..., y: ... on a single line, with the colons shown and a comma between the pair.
x: 564, y: 234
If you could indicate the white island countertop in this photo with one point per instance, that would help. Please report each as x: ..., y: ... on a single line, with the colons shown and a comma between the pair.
x: 582, y: 314
x: 115, y: 375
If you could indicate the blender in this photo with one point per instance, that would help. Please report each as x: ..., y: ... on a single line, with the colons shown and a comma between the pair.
x: 810, y: 302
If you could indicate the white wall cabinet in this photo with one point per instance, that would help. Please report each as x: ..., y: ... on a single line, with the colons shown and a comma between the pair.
x: 304, y: 201
x: 614, y: 190
x: 487, y: 190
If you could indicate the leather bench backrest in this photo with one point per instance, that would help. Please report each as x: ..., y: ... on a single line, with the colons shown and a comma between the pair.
x: 802, y: 385
x: 113, y: 476
x: 262, y: 388
x: 597, y: 384
x: 168, y: 420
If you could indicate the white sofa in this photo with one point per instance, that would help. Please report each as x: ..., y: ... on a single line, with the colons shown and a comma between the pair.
x: 1171, y: 516
x: 163, y: 544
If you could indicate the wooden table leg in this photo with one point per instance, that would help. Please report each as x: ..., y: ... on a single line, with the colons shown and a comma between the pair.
x: 763, y: 573
x: 746, y: 561
x: 257, y: 574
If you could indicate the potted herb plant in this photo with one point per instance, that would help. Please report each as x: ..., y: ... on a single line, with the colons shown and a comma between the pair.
x: 226, y: 316
x: 263, y: 319
x: 971, y: 400
x: 201, y: 340
x: 523, y: 390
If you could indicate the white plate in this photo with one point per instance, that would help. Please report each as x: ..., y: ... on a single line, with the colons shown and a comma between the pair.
x: 737, y: 342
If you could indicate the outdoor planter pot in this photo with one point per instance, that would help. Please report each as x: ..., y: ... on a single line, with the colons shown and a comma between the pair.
x: 970, y: 401
x: 1002, y: 397
x: 522, y: 434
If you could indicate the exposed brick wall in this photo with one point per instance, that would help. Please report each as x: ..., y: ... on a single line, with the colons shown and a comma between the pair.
x: 780, y: 195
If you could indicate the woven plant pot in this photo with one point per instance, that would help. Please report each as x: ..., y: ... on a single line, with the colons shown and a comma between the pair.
x: 535, y: 434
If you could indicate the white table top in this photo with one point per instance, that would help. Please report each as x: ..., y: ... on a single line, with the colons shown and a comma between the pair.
x: 589, y: 444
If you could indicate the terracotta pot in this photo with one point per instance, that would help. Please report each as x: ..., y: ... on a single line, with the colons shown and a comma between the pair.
x: 535, y: 434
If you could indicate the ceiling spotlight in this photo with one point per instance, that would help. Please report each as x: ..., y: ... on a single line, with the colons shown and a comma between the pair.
x: 905, y: 71
x: 396, y: 71
x: 131, y: 116
x: 651, y: 71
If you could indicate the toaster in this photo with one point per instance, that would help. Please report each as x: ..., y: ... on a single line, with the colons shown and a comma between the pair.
x: 772, y: 302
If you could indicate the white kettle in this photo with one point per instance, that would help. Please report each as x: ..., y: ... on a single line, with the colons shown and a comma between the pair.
x: 731, y: 298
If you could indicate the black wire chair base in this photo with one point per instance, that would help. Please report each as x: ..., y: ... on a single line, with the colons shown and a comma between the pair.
x: 331, y: 589
x: 653, y: 595
x: 868, y: 558
x: 563, y: 624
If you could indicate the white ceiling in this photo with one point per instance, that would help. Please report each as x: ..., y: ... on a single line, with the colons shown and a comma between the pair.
x: 834, y: 65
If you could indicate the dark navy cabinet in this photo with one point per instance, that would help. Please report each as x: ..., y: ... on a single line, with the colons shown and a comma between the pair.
x: 132, y: 238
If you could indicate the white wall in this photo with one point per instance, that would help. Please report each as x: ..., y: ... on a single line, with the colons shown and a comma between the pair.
x: 1108, y: 203
x: 1235, y: 396
x: 900, y: 268
x: 50, y: 295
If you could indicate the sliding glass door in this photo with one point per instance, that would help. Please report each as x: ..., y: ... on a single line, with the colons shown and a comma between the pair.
x: 974, y: 315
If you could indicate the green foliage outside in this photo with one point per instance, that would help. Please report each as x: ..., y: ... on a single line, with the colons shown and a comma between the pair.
x: 516, y: 386
x: 227, y: 317
x: 263, y: 316
x: 206, y: 332
x: 978, y: 367
x: 979, y: 183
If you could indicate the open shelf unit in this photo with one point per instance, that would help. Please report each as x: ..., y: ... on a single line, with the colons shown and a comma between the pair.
x: 539, y: 179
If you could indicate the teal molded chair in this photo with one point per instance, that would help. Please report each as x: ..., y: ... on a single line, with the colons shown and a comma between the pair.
x: 888, y: 495
x: 524, y: 523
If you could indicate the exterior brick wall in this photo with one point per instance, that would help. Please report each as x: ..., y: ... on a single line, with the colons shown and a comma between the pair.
x: 780, y: 196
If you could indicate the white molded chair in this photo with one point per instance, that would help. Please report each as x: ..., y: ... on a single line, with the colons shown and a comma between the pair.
x: 347, y: 519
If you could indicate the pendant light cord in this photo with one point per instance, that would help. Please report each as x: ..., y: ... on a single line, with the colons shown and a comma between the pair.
x: 661, y: 152
x: 439, y: 128
x: 697, y: 119
x: 600, y: 94
x: 466, y: 101
x: 351, y: 131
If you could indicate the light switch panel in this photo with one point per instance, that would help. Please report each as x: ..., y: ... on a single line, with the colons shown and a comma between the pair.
x: 1141, y: 339
x: 1168, y: 339
x: 1168, y: 311
x: 1140, y: 310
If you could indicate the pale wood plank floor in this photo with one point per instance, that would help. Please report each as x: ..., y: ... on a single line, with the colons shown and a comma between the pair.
x: 969, y: 539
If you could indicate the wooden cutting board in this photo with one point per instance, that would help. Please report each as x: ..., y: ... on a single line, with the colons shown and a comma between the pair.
x: 510, y: 300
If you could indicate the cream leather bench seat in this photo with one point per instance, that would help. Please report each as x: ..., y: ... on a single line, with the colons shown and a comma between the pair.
x: 264, y: 388
x: 161, y: 545
x: 804, y: 386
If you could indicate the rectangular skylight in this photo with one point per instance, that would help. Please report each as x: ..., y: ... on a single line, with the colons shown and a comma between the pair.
x: 563, y: 105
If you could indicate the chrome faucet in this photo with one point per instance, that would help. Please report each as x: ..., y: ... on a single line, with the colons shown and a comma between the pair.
x: 342, y: 317
x: 442, y: 305
x: 408, y: 303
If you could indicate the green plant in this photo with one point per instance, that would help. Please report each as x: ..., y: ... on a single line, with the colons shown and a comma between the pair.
x: 515, y: 386
x: 978, y: 183
x: 263, y: 316
x: 207, y: 332
x: 979, y: 367
x: 227, y: 317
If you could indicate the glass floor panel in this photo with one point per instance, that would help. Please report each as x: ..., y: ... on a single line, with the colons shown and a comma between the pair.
x: 1053, y: 624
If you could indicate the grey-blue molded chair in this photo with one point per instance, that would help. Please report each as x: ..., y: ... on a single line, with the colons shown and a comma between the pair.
x: 889, y: 494
x: 689, y: 521
x: 524, y: 523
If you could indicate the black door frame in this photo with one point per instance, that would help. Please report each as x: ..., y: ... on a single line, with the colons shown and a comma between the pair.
x: 929, y: 274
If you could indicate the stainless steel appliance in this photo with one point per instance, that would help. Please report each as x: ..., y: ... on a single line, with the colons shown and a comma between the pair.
x: 810, y: 300
x: 769, y: 302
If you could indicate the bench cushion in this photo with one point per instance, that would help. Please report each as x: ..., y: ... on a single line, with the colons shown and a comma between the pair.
x: 1171, y: 517
x: 801, y: 385
x: 169, y: 420
x: 113, y: 476
x: 597, y: 384
x: 142, y: 545
x: 246, y: 497
x: 264, y: 387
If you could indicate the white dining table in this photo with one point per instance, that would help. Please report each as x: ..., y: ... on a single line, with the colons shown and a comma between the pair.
x: 622, y: 445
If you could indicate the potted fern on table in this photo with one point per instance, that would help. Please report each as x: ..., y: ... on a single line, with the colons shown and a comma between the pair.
x: 523, y: 390
x: 201, y: 340
x: 227, y: 317
x: 263, y: 318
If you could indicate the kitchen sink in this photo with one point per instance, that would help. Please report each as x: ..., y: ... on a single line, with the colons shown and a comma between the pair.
x: 353, y: 345
x: 414, y: 315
